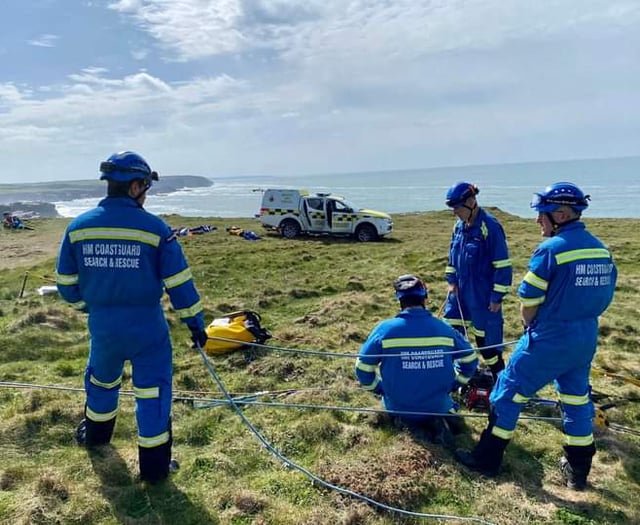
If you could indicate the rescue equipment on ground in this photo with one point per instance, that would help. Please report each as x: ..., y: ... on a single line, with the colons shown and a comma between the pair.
x: 195, y: 230
x: 600, y: 419
x: 475, y: 395
x: 232, y: 331
x: 294, y: 212
x: 48, y: 289
x: 627, y: 379
x: 245, y: 234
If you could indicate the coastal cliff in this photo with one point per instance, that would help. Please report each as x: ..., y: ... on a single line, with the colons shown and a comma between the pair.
x: 38, y: 197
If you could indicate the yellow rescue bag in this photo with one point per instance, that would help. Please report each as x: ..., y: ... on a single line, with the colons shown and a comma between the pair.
x: 239, y: 328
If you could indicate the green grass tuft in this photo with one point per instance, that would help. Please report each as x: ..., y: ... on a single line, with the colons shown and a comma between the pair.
x: 316, y: 294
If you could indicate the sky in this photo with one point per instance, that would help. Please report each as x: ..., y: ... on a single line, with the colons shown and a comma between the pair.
x: 229, y: 88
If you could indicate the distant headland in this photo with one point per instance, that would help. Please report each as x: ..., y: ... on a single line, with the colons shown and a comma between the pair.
x: 37, y: 197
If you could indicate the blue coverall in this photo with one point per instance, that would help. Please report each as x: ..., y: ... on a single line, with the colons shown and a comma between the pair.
x: 571, y: 279
x: 115, y: 262
x: 432, y: 357
x: 479, y: 265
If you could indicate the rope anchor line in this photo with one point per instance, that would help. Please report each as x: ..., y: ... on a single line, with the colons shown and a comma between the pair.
x: 313, y: 477
x: 340, y: 354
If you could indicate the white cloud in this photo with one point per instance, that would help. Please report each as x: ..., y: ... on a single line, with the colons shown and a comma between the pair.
x: 192, y: 28
x: 336, y: 85
x: 9, y: 94
x: 98, y: 106
x: 46, y: 40
x: 127, y: 6
x: 139, y: 54
x: 408, y: 28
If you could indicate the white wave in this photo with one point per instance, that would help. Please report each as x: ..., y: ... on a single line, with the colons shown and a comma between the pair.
x: 508, y: 187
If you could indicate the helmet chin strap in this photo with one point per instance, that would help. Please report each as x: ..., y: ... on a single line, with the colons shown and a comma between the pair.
x: 471, y: 210
x: 144, y: 190
x: 554, y: 224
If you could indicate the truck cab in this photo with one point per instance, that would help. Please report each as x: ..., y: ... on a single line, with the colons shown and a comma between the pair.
x: 294, y: 212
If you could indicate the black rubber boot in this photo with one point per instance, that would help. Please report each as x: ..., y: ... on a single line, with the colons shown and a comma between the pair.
x: 438, y: 432
x: 497, y: 367
x: 576, y: 465
x: 486, y: 457
x: 93, y: 433
x: 155, y: 463
x: 456, y: 425
x: 492, y: 357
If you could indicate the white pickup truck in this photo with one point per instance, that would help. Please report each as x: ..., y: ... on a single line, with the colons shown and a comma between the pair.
x: 294, y: 212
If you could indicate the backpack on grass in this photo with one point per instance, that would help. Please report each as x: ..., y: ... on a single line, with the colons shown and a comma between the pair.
x: 237, y: 328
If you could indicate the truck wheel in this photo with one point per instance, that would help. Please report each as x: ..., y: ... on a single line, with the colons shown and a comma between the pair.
x: 366, y: 233
x: 289, y: 229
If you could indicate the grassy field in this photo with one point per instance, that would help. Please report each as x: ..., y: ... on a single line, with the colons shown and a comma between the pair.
x: 315, y: 294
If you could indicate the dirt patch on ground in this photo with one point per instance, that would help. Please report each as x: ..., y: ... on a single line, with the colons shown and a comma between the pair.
x: 20, y: 248
x: 395, y: 476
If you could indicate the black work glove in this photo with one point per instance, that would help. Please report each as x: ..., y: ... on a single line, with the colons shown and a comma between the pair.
x: 199, y: 338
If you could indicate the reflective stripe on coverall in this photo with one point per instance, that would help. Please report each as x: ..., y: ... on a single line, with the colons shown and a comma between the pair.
x: 571, y: 279
x: 115, y: 262
x: 422, y: 377
x: 479, y: 265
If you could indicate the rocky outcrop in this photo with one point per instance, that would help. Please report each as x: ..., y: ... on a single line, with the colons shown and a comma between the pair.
x: 37, y: 198
x: 87, y: 189
x: 31, y: 209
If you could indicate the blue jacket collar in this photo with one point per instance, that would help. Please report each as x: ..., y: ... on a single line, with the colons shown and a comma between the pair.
x: 414, y: 311
x: 121, y: 202
x: 575, y: 225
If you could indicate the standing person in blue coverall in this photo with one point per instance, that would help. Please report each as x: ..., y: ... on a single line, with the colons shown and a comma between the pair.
x: 428, y: 358
x: 115, y: 263
x: 570, y: 283
x: 478, y: 274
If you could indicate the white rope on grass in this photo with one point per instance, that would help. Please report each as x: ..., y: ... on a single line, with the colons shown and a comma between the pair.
x: 311, y: 475
x: 248, y: 399
x: 366, y: 409
x: 341, y: 354
x: 244, y: 398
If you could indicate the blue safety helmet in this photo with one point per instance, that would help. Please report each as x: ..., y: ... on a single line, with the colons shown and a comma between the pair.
x: 560, y: 194
x: 409, y: 285
x: 127, y: 166
x: 459, y: 193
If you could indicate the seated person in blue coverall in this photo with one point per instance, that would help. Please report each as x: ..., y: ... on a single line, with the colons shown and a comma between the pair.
x: 115, y: 263
x: 414, y: 360
x: 570, y: 283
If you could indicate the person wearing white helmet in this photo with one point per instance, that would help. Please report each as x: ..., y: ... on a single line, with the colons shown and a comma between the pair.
x: 115, y: 263
x: 569, y: 284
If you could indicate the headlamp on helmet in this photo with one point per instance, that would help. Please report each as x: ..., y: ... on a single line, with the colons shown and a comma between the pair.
x: 127, y: 166
x: 560, y: 194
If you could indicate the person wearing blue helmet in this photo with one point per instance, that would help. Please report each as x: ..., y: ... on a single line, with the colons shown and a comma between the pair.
x: 414, y: 360
x: 115, y: 263
x: 478, y: 274
x: 569, y: 284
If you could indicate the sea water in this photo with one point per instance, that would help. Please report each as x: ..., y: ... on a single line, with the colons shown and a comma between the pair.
x: 613, y: 184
